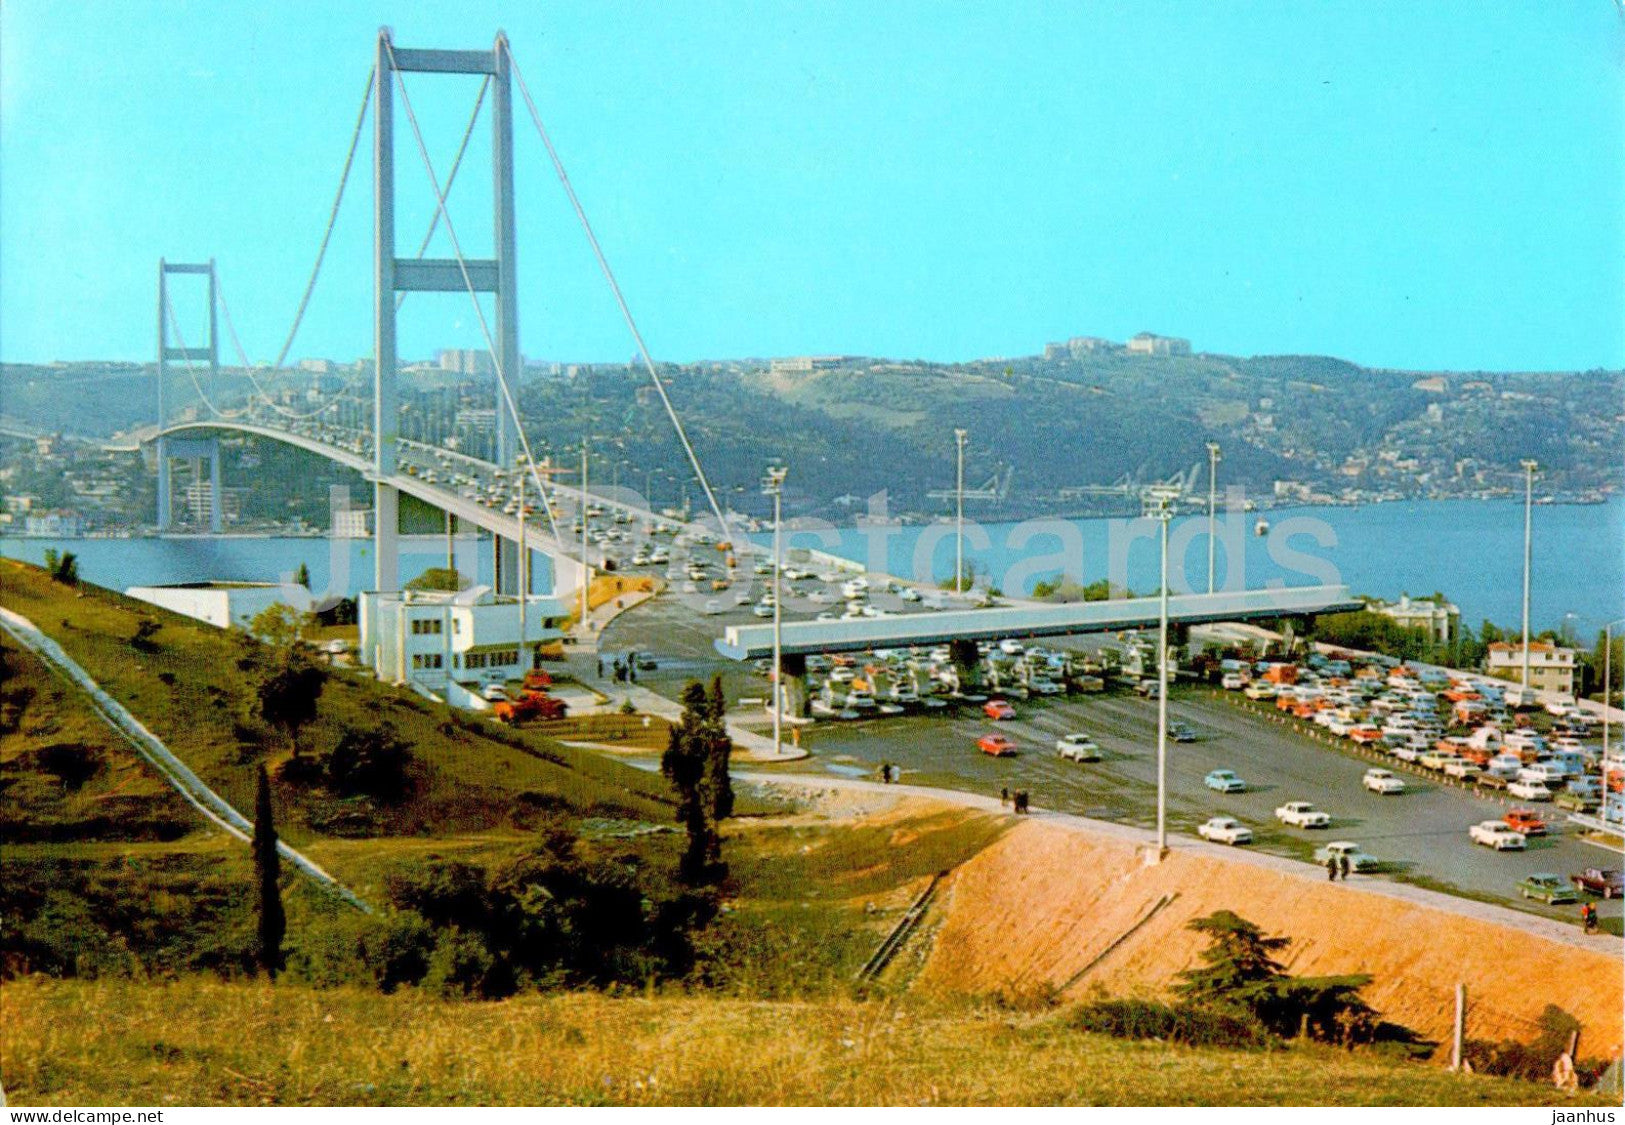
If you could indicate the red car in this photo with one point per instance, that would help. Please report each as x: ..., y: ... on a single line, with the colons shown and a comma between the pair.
x: 998, y: 709
x: 996, y: 745
x: 1525, y: 821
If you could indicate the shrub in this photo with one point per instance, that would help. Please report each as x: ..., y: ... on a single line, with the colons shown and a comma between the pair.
x: 72, y: 763
x: 372, y: 762
x: 1173, y: 1023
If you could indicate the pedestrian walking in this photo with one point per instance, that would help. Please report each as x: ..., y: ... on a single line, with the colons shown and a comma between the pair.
x: 1004, y: 797
x: 1343, y: 866
x: 600, y: 667
x: 1331, y: 869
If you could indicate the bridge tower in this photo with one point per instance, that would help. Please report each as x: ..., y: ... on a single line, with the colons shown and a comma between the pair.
x: 194, y: 449
x: 393, y: 275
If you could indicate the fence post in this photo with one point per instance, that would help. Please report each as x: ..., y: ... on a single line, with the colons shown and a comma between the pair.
x: 1461, y: 1020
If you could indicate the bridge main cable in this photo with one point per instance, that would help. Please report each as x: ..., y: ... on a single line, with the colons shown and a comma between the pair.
x: 615, y: 288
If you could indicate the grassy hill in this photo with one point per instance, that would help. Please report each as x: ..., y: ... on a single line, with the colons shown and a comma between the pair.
x: 195, y: 1042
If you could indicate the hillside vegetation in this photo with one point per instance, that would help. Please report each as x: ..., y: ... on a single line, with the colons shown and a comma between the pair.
x: 195, y: 1042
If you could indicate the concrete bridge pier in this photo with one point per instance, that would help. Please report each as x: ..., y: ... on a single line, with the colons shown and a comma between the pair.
x: 166, y: 498
x: 967, y: 662
x: 386, y: 511
x: 197, y: 451
x: 504, y: 564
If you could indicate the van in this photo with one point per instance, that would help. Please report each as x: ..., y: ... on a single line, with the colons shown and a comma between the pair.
x: 1545, y: 771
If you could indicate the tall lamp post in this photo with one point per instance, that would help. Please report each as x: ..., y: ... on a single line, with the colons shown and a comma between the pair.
x: 1607, y: 706
x: 1158, y: 505
x: 959, y: 508
x: 1212, y: 509
x: 1529, y: 467
x: 773, y: 486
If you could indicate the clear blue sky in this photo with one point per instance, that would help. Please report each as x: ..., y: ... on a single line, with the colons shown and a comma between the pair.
x: 1410, y: 184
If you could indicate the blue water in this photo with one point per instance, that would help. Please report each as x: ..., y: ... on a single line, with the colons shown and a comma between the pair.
x: 1471, y: 550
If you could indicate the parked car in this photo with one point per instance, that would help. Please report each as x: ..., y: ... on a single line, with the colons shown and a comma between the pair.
x: 1302, y: 814
x: 1547, y: 888
x: 1607, y: 882
x: 998, y: 709
x: 1225, y: 781
x: 1359, y: 859
x: 1382, y: 781
x: 1525, y: 821
x: 1259, y: 691
x: 1225, y: 830
x: 1077, y: 748
x: 1233, y: 681
x: 1529, y: 790
x: 1497, y: 835
x: 997, y: 745
x: 1181, y: 732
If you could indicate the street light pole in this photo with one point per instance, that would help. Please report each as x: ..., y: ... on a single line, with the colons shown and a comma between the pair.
x: 774, y: 487
x: 959, y: 508
x: 1529, y: 467
x: 1159, y: 506
x: 1212, y: 508
x: 524, y: 571
x: 1607, y: 704
x: 586, y: 567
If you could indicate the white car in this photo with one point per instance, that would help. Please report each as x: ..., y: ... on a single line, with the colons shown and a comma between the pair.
x: 1233, y: 681
x: 910, y: 594
x: 1045, y: 687
x: 1077, y: 748
x: 1302, y: 814
x: 1225, y: 830
x: 493, y: 692
x: 1259, y: 691
x: 1011, y: 647
x: 1382, y: 781
x: 1496, y: 834
x: 1529, y: 790
x: 1359, y: 860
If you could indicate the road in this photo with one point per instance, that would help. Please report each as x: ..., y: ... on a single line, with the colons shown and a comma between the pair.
x: 1420, y: 835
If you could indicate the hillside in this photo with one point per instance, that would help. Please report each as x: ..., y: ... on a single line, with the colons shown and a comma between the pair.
x: 200, y: 1043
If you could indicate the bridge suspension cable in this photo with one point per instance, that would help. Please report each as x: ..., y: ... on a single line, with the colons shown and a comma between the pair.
x: 327, y: 235
x: 175, y: 327
x: 479, y: 310
x: 615, y: 288
x: 248, y: 365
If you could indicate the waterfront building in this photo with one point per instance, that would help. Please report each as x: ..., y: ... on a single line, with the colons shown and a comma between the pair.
x: 438, y: 637
x: 1551, y: 667
x: 1440, y: 617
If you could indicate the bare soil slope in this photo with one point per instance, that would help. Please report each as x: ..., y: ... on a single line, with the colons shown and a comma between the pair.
x: 1043, y: 906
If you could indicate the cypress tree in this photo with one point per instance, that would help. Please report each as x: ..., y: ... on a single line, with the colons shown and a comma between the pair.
x: 719, y: 747
x: 685, y: 764
x: 273, y: 922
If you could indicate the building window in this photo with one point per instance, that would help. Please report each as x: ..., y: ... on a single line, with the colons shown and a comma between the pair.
x: 426, y: 626
x: 422, y: 660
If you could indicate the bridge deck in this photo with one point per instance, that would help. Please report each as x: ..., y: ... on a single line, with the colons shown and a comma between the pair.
x: 746, y: 642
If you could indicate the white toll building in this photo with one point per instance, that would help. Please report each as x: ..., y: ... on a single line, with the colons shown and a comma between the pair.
x: 435, y: 637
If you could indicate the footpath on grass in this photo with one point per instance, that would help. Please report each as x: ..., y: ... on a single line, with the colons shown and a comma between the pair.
x: 213, y: 807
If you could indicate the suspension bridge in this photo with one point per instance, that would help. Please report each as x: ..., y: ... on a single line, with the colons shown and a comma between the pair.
x: 362, y: 432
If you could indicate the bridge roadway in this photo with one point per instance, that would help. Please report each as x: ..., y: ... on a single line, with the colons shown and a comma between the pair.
x: 537, y: 536
x: 748, y: 642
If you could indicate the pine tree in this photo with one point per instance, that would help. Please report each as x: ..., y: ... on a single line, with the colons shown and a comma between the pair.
x: 718, y: 749
x: 273, y: 921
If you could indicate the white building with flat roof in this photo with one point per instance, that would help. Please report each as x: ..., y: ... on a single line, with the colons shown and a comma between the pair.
x: 225, y: 605
x: 432, y: 637
x: 1551, y: 668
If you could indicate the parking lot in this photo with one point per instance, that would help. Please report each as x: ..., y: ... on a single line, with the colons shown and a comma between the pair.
x: 1419, y: 835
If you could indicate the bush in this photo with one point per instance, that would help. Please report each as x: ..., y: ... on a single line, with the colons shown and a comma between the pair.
x: 72, y: 763
x: 1171, y: 1023
x: 371, y: 762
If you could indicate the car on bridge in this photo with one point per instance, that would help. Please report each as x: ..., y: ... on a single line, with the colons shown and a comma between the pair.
x: 1529, y: 790
x: 998, y: 709
x: 1181, y: 732
x: 1382, y: 782
x: 996, y: 745
x: 1302, y: 814
x: 1548, y: 888
x: 1077, y: 748
x: 1224, y: 781
x: 1497, y: 835
x: 1225, y: 830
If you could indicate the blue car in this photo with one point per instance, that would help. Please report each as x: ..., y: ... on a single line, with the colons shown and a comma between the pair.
x: 1225, y: 781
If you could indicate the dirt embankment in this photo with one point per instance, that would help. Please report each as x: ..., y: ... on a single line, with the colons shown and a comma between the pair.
x: 1043, y: 906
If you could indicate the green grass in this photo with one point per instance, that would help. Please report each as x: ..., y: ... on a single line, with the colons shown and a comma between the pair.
x: 196, y: 1042
x: 470, y: 774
